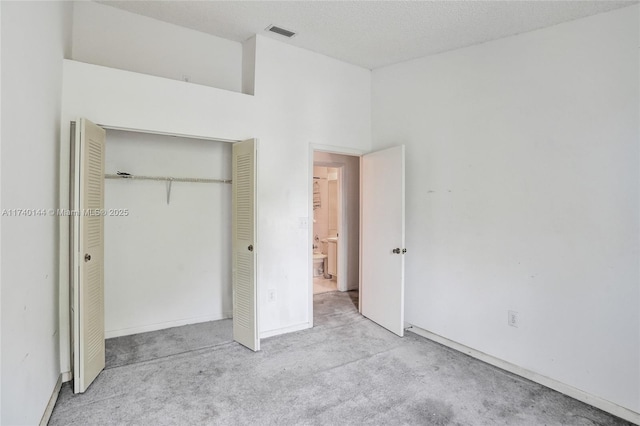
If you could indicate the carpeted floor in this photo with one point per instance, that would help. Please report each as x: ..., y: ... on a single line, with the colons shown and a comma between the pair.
x: 344, y: 371
x: 141, y: 347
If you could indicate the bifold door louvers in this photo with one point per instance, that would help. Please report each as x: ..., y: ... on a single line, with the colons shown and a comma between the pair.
x: 280, y: 31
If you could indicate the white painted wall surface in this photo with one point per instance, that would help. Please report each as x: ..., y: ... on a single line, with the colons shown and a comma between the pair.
x: 166, y: 264
x: 0, y: 224
x: 249, y: 66
x: 155, y: 104
x: 302, y: 98
x: 522, y: 194
x: 35, y: 38
x: 104, y: 35
x: 131, y: 100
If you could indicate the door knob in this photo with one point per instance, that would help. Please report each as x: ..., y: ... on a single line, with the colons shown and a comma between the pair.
x: 396, y: 250
x: 250, y: 248
x: 87, y: 257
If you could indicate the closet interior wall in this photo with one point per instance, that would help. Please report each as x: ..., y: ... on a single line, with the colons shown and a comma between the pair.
x: 167, y: 260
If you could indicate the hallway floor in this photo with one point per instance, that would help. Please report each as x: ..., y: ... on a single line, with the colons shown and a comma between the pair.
x: 324, y: 285
x: 346, y: 370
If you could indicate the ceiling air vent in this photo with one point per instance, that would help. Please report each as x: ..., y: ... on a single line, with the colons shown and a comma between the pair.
x: 280, y: 31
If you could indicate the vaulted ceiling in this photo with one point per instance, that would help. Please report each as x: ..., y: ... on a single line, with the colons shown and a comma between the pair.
x: 370, y: 34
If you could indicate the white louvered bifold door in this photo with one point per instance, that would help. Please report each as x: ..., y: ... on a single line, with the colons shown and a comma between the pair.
x: 245, y: 295
x: 89, y: 353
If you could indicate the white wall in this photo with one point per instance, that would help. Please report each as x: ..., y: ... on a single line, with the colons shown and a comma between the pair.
x: 249, y: 66
x: 300, y: 98
x: 1, y: 117
x: 522, y: 194
x: 166, y: 264
x: 130, y: 100
x: 104, y: 35
x: 35, y: 38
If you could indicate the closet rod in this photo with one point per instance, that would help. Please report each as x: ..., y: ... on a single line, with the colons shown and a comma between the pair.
x: 167, y: 178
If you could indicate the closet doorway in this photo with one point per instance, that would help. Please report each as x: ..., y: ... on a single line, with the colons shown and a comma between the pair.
x: 162, y: 252
x: 167, y: 253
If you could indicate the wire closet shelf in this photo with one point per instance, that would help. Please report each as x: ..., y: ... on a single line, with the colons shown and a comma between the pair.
x: 165, y: 178
x: 168, y: 179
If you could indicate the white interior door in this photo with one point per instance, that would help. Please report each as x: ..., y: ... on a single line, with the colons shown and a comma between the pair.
x: 87, y: 253
x: 382, y: 250
x: 245, y: 295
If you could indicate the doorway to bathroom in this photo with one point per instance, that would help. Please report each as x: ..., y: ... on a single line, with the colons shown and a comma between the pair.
x: 325, y: 228
x: 370, y: 237
x: 335, y: 221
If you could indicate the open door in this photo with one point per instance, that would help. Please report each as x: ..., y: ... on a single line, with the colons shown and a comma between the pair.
x: 87, y: 252
x: 245, y: 295
x: 382, y: 238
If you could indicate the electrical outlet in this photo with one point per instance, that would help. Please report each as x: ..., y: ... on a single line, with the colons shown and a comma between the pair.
x: 512, y: 319
x: 271, y: 295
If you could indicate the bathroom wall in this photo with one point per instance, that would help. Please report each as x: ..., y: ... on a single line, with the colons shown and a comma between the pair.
x: 320, y: 215
x: 333, y: 201
x: 166, y: 264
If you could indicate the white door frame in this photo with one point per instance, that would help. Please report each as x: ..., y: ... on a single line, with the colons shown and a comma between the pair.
x: 342, y: 253
x: 64, y: 234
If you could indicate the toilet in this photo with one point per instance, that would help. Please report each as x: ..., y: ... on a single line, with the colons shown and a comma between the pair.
x: 319, y: 264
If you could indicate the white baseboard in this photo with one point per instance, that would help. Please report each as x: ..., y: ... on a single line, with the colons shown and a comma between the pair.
x: 279, y: 331
x: 587, y: 398
x: 52, y: 402
x: 162, y: 325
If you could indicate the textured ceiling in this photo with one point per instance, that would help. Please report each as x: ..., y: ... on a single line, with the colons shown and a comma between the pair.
x: 370, y: 33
